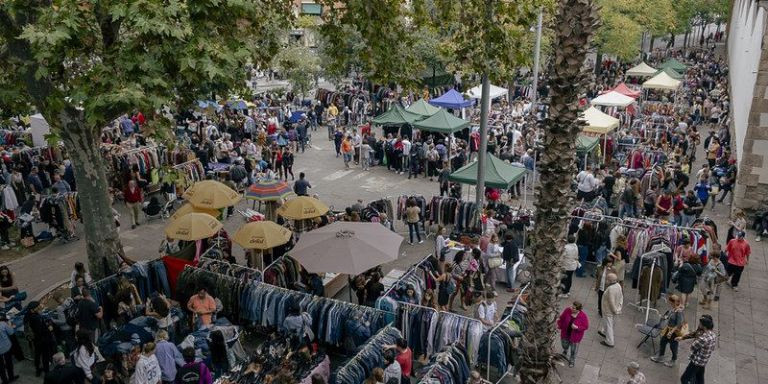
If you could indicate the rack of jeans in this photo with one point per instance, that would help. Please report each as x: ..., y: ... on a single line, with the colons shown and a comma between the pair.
x: 370, y: 356
x: 450, y: 366
x: 266, y: 305
x: 225, y: 268
x: 416, y: 277
x: 501, y: 339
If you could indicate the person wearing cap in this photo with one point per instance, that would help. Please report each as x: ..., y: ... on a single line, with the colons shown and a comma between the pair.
x: 738, y: 251
x: 40, y: 331
x: 701, y: 350
x: 635, y: 376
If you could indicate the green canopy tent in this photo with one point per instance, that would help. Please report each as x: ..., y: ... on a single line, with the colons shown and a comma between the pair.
x: 585, y: 145
x: 498, y: 173
x: 443, y: 122
x: 675, y: 65
x: 423, y: 108
x: 397, y: 115
x: 671, y: 72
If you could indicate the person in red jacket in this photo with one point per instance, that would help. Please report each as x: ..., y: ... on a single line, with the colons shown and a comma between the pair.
x: 573, y: 323
x: 738, y: 252
x: 133, y: 199
x: 138, y: 121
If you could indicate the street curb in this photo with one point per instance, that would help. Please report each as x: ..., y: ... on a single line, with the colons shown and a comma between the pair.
x: 48, y: 290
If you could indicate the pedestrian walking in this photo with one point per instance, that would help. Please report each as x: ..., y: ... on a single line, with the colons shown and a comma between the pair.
x: 712, y: 278
x: 612, y: 302
x: 738, y: 251
x: 133, y: 200
x: 701, y: 351
x: 413, y: 217
x: 347, y: 150
x: 570, y: 265
x: 573, y: 323
x: 601, y: 281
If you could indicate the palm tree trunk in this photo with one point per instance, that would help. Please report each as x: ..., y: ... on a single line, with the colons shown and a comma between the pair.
x: 577, y: 21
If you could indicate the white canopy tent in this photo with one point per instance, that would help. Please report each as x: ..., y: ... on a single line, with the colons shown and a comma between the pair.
x: 662, y: 81
x: 613, y: 99
x: 599, y: 123
x: 642, y: 70
x: 496, y: 92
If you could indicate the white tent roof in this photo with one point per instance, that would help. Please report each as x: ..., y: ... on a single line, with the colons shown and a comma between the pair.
x: 642, y: 70
x: 599, y: 122
x: 477, y: 92
x: 613, y: 99
x: 662, y: 81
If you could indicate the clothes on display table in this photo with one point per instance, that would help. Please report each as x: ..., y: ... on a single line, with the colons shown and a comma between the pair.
x: 450, y: 366
x: 333, y: 322
x: 224, y: 268
x: 370, y: 356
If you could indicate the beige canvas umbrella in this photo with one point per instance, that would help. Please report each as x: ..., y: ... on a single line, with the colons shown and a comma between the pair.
x: 193, y: 226
x: 260, y: 236
x: 302, y: 207
x: 211, y: 194
x: 346, y: 247
x: 189, y: 208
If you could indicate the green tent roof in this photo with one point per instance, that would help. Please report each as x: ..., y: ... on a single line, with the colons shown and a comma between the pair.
x: 586, y: 144
x: 443, y: 122
x: 674, y: 64
x: 423, y: 108
x: 671, y: 72
x: 498, y: 174
x: 397, y: 115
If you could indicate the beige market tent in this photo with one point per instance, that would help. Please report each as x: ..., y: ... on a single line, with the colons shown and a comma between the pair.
x: 613, y: 99
x: 599, y: 123
x: 662, y: 81
x: 642, y: 70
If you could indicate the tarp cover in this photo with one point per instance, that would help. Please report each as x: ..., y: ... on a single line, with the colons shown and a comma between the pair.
x: 586, y: 144
x: 626, y: 91
x: 674, y: 64
x: 671, y: 72
x: 642, y: 70
x: 662, y: 81
x: 498, y: 173
x: 396, y: 115
x: 599, y: 122
x: 612, y: 99
x: 423, y: 108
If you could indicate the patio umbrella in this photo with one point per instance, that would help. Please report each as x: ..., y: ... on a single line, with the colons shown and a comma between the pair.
x: 346, y: 247
x: 193, y: 226
x: 237, y: 104
x: 302, y: 208
x: 211, y: 194
x: 188, y: 208
x: 268, y: 190
x: 260, y: 236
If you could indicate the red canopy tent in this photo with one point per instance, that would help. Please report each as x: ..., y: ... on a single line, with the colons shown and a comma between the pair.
x: 626, y: 91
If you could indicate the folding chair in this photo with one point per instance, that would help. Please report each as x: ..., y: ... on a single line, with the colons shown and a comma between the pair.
x: 651, y: 331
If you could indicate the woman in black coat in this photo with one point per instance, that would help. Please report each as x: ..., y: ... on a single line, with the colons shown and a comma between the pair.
x: 687, y: 275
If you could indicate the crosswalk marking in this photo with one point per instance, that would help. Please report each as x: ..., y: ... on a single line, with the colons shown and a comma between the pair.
x: 337, y: 175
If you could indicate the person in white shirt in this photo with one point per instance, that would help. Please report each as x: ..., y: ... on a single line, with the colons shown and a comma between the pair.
x: 357, y: 141
x: 486, y: 310
x: 406, y: 152
x: 570, y: 265
x: 249, y: 148
x: 147, y: 368
x: 587, y: 184
x: 393, y: 373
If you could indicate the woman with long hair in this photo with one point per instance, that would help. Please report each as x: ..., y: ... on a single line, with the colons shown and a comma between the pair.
x: 457, y: 273
x: 86, y: 356
x: 8, y: 286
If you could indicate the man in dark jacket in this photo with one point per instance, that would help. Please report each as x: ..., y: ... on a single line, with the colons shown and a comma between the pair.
x: 43, y: 339
x: 64, y: 373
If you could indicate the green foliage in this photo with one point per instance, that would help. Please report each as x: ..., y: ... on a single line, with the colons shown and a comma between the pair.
x: 299, y: 65
x: 111, y: 56
x: 625, y: 21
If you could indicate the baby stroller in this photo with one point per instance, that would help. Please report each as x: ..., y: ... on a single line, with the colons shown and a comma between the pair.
x: 155, y: 210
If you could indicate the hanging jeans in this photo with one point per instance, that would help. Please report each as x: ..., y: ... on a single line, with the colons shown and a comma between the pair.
x: 411, y: 228
x: 583, y: 253
x: 627, y: 210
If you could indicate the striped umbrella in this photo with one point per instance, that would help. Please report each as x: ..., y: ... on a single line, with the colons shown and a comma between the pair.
x: 268, y: 190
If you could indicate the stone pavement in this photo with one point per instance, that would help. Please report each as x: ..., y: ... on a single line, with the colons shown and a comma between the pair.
x: 742, y: 356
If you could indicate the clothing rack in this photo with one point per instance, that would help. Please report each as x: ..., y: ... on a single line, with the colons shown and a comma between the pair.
x: 619, y: 221
x: 647, y: 299
x: 234, y: 268
x: 499, y: 324
x: 388, y: 332
x: 410, y: 270
x: 181, y: 165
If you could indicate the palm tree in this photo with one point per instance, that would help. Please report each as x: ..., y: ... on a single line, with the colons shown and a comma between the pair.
x: 575, y: 25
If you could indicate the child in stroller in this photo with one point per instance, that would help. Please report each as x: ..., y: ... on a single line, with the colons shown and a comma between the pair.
x: 153, y: 209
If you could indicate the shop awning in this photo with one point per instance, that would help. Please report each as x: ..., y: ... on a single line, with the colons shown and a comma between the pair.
x: 495, y: 92
x: 397, y: 115
x: 612, y: 99
x: 452, y: 100
x: 662, y: 81
x: 498, y: 173
x: 585, y: 144
x: 421, y: 107
x: 443, y: 122
x: 626, y: 91
x: 642, y: 70
x: 598, y: 122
